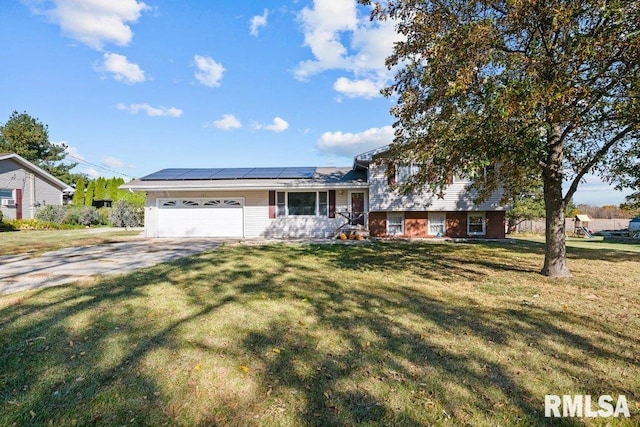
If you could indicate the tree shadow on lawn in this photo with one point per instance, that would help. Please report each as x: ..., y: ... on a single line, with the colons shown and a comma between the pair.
x: 328, y: 351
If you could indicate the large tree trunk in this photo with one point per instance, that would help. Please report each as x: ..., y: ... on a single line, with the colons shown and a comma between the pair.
x: 555, y: 256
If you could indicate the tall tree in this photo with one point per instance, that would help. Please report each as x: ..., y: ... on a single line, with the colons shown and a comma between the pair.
x: 101, y: 188
x: 543, y: 88
x: 89, y: 193
x: 78, y: 195
x: 29, y: 138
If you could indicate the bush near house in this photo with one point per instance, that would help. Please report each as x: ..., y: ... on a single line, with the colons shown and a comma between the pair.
x: 126, y: 214
x: 51, y: 213
x: 50, y: 217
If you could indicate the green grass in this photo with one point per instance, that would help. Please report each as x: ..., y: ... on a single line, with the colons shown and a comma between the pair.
x: 285, y: 335
x: 38, y: 241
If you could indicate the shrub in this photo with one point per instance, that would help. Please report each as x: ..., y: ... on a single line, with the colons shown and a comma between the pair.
x: 72, y: 216
x: 125, y: 214
x: 35, y: 224
x: 103, y: 216
x: 88, y: 216
x: 51, y: 213
x: 1, y: 216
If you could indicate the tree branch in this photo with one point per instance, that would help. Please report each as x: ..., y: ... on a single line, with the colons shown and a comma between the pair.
x: 595, y: 159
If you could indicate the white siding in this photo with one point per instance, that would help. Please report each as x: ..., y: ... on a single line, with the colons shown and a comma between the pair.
x: 456, y: 197
x: 256, y: 214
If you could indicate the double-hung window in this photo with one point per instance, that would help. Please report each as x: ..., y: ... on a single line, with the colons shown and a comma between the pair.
x: 395, y: 224
x: 302, y: 203
x: 437, y: 224
x: 476, y: 224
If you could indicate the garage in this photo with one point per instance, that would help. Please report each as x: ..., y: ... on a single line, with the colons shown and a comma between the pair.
x: 214, y: 217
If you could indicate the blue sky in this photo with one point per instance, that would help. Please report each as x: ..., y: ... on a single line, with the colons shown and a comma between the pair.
x: 133, y: 87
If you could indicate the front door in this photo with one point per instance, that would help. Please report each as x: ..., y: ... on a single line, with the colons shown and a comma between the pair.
x: 357, y: 208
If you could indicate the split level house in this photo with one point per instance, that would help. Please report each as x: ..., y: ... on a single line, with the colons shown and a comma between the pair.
x: 24, y: 187
x: 310, y: 202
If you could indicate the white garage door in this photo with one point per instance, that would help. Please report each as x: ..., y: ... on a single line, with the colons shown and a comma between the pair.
x: 219, y: 217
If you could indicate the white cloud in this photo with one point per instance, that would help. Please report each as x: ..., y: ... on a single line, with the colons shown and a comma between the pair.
x: 322, y: 26
x: 122, y: 69
x: 357, y: 88
x: 209, y: 71
x: 257, y: 22
x: 350, y: 144
x: 340, y: 39
x: 151, y: 111
x: 91, y: 172
x: 228, y: 121
x: 93, y: 22
x: 112, y: 162
x: 278, y: 125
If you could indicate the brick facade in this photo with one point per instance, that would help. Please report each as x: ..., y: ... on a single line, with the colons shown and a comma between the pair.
x: 378, y: 223
x: 416, y: 224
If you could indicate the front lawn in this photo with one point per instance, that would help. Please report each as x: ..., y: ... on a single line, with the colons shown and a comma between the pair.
x: 37, y: 241
x: 377, y: 334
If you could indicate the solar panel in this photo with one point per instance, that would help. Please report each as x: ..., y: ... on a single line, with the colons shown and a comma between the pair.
x: 165, y: 174
x: 295, y: 173
x: 200, y: 173
x: 232, y: 173
x: 179, y: 174
x: 264, y: 173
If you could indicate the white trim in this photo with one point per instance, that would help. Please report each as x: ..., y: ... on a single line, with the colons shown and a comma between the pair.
x: 484, y: 223
x: 433, y: 215
x: 402, y: 223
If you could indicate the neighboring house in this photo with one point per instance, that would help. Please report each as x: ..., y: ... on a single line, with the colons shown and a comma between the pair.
x: 307, y: 202
x: 24, y: 187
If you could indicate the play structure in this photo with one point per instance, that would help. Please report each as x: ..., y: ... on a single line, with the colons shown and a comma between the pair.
x: 581, y: 226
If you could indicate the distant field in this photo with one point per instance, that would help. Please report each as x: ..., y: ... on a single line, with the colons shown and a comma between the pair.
x: 284, y: 335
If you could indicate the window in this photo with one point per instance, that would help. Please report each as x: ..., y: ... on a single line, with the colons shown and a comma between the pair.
x: 282, y: 204
x: 302, y: 203
x: 323, y: 203
x: 395, y: 224
x: 405, y: 172
x: 475, y: 224
x: 437, y: 225
x: 6, y: 193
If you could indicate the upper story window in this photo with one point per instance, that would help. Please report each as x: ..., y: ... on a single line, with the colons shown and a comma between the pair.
x: 405, y: 172
x: 302, y: 203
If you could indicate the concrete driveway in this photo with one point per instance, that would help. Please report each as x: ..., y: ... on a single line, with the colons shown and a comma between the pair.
x: 22, y: 272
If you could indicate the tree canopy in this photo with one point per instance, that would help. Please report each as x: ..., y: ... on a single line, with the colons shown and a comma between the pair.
x: 29, y: 138
x: 537, y: 90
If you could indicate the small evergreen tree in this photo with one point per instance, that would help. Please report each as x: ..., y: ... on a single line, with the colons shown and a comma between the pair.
x: 100, y: 192
x: 88, y: 197
x: 78, y: 195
